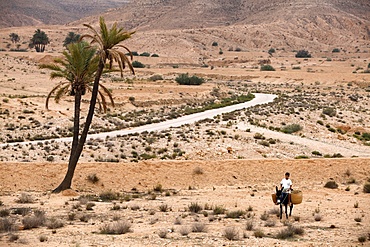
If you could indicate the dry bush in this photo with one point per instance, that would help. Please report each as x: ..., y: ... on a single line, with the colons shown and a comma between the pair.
x: 274, y: 211
x: 270, y: 223
x: 199, y: 227
x: 90, y: 205
x: 54, y: 223
x: 13, y: 237
x: 162, y: 233
x: 134, y: 207
x: 119, y: 227
x: 178, y: 221
x: 235, y: 214
x: 163, y: 207
x: 108, y: 196
x: 194, y: 207
x: 93, y: 178
x: 6, y: 225
x: 289, y: 232
x: 34, y: 221
x: 71, y: 216
x: 331, y: 185
x: 366, y: 188
x: 264, y: 216
x: 219, y: 209
x: 250, y: 225
x: 259, y: 233
x: 4, y: 212
x: 43, y: 238
x: 362, y: 239
x: 184, y: 230
x: 231, y: 233
x: 198, y: 171
x: 358, y: 219
x: 317, y: 217
x: 85, y: 218
x: 25, y: 198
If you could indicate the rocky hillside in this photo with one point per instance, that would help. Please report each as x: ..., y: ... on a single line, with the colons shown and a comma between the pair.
x: 316, y: 24
x: 36, y: 12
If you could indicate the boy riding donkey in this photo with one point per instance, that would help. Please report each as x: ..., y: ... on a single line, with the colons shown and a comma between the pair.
x: 286, y: 187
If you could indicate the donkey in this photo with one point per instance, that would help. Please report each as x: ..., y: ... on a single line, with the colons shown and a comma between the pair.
x: 284, y: 199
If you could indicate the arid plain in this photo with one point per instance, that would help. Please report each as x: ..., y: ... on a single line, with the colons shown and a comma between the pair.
x: 202, y: 184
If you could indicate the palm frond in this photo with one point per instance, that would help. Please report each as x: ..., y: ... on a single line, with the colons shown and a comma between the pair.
x: 51, y: 93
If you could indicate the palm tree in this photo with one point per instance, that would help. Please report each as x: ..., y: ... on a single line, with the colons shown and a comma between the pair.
x: 107, y: 41
x: 39, y: 40
x: 71, y: 38
x: 78, y: 68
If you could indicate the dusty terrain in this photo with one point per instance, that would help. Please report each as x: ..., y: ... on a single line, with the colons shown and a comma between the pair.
x: 332, y: 217
x: 318, y: 128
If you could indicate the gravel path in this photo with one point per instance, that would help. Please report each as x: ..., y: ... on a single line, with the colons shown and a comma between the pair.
x: 189, y: 119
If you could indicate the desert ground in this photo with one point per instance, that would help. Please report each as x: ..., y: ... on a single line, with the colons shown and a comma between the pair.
x: 203, y: 184
x: 155, y: 198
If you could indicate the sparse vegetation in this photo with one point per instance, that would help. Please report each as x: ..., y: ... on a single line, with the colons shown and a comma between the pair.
x: 195, y: 207
x: 302, y: 54
x: 118, y: 227
x: 231, y: 233
x: 331, y: 184
x: 267, y: 67
x: 185, y: 79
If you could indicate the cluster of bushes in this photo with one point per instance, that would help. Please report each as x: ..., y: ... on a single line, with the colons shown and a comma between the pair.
x: 302, y: 54
x: 144, y: 54
x: 185, y: 79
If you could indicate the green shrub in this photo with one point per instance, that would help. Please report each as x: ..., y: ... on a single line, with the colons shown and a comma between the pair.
x: 184, y: 79
x: 331, y: 112
x: 145, y: 54
x: 271, y: 50
x: 301, y: 157
x: 154, y: 55
x: 317, y: 153
x: 214, y: 43
x: 137, y: 64
x: 292, y: 128
x: 267, y: 67
x: 194, y: 207
x: 219, y: 210
x: 302, y: 54
x: 335, y: 50
x: 331, y: 185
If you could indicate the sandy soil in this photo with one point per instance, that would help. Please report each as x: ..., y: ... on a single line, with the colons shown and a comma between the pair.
x: 234, y: 184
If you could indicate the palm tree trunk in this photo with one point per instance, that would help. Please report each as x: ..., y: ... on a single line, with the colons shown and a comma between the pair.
x: 67, y: 181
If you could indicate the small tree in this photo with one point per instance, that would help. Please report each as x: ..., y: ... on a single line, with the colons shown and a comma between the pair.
x: 39, y: 41
x: 14, y: 38
x: 71, y: 38
x: 302, y: 54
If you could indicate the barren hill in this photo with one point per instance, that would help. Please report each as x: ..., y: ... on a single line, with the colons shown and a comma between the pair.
x: 36, y: 12
x: 251, y: 24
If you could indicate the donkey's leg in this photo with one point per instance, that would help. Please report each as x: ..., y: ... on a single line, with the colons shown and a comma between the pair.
x: 286, y: 210
x: 291, y: 209
x: 281, y: 211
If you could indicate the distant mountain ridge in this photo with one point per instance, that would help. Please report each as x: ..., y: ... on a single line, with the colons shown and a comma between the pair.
x: 36, y: 12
